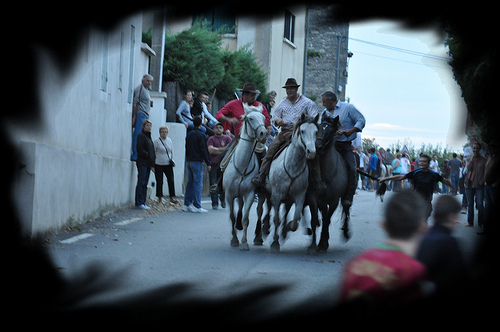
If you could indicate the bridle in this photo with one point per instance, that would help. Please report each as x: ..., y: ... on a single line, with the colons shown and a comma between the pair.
x: 293, y: 178
x: 254, y: 141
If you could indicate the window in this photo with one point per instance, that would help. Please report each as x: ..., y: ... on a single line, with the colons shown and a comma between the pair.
x: 220, y: 16
x: 289, y: 26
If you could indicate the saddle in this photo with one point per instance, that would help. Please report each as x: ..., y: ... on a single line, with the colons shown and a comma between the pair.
x: 226, y: 155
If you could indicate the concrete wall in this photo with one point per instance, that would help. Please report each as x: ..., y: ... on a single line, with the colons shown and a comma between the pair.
x: 76, y: 162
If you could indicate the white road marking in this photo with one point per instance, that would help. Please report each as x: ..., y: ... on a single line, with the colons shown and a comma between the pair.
x: 126, y: 222
x: 77, y: 238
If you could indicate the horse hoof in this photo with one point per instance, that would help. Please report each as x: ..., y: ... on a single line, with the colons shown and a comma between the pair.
x: 235, y: 243
x: 275, y: 247
x: 258, y: 241
x: 244, y: 247
x: 346, y: 233
x: 312, y: 250
x: 322, y: 247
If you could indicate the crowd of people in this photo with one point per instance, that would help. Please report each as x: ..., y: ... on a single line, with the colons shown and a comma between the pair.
x: 471, y: 175
x: 393, y: 272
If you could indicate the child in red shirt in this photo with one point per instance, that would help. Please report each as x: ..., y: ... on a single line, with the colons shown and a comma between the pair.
x: 389, y: 274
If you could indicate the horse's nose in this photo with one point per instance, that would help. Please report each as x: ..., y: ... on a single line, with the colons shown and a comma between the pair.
x: 262, y: 135
x: 310, y: 153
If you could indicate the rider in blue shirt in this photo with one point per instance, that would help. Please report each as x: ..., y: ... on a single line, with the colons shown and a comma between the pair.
x: 351, y: 121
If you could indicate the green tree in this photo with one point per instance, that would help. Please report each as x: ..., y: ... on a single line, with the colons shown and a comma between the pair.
x: 240, y: 67
x: 369, y: 143
x: 193, y: 58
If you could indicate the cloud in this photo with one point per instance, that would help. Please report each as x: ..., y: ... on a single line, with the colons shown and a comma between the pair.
x: 380, y: 127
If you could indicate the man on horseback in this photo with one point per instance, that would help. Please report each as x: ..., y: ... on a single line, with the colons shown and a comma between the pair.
x: 285, y: 116
x: 351, y: 121
x: 231, y: 117
x: 230, y: 114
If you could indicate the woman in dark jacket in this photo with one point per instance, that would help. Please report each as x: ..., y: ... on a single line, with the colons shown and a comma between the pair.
x: 145, y: 163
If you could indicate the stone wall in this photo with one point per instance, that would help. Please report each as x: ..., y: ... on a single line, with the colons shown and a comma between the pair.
x: 327, y: 45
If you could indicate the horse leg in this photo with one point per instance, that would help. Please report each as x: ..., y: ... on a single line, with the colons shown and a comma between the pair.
x: 299, y: 206
x: 326, y: 212
x: 275, y: 246
x: 239, y: 226
x: 266, y: 223
x: 286, y: 225
x: 234, y: 240
x: 314, y: 224
x: 258, y: 227
x: 247, y: 204
x: 346, y: 216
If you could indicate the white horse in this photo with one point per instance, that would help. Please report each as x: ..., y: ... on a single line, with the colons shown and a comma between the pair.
x: 242, y: 167
x: 289, y: 173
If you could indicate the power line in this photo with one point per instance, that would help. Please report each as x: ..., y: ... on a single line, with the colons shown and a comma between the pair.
x: 403, y: 50
x: 400, y: 60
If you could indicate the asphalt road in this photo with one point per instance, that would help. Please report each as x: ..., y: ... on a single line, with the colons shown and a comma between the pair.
x: 140, y: 250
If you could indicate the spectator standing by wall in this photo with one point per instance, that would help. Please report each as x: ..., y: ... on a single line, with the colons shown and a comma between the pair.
x: 164, y: 164
x: 140, y: 110
x: 145, y: 163
x: 196, y: 154
x: 217, y: 144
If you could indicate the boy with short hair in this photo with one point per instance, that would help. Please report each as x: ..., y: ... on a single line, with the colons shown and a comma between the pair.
x: 439, y: 250
x: 388, y: 274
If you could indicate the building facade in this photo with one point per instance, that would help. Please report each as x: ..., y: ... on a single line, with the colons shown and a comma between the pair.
x: 75, y: 165
x: 327, y: 54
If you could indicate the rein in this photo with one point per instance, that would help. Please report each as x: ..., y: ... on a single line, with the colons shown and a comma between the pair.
x: 293, y: 178
x: 254, y: 141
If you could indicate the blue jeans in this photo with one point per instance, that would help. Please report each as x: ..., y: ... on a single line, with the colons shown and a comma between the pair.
x: 194, y: 184
x: 454, y: 182
x: 141, y: 190
x: 140, y: 117
x: 478, y: 194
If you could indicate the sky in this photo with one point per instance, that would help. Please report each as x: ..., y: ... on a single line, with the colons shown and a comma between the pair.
x: 404, y: 92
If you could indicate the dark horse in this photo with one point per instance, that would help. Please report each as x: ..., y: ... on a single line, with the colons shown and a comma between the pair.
x: 334, y: 175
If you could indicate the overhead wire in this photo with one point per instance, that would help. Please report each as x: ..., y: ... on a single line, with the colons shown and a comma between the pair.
x: 403, y: 50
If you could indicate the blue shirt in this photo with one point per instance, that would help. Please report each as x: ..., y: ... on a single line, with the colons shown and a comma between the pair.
x: 349, y: 117
x: 373, y: 162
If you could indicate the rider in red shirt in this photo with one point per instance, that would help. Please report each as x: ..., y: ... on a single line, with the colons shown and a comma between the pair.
x: 230, y: 115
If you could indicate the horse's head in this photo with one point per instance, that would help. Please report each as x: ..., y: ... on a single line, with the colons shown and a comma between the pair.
x: 253, y: 121
x: 329, y: 127
x: 306, y: 130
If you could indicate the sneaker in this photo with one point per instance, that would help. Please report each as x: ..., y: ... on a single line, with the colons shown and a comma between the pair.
x: 143, y: 207
x: 187, y: 208
x: 194, y: 209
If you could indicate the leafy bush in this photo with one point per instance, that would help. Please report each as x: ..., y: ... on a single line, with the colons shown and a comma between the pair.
x: 194, y: 58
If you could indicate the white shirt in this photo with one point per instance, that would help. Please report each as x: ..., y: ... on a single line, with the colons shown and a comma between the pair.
x: 163, y: 151
x: 290, y: 113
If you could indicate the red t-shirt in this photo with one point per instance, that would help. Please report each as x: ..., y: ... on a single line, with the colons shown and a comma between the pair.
x: 384, y: 274
x: 234, y: 109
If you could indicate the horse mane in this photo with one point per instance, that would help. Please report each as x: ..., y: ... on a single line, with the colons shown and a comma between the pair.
x: 250, y: 108
x: 305, y: 119
x: 325, y: 140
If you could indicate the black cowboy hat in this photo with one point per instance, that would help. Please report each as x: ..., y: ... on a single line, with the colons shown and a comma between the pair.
x: 250, y: 87
x: 291, y: 83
